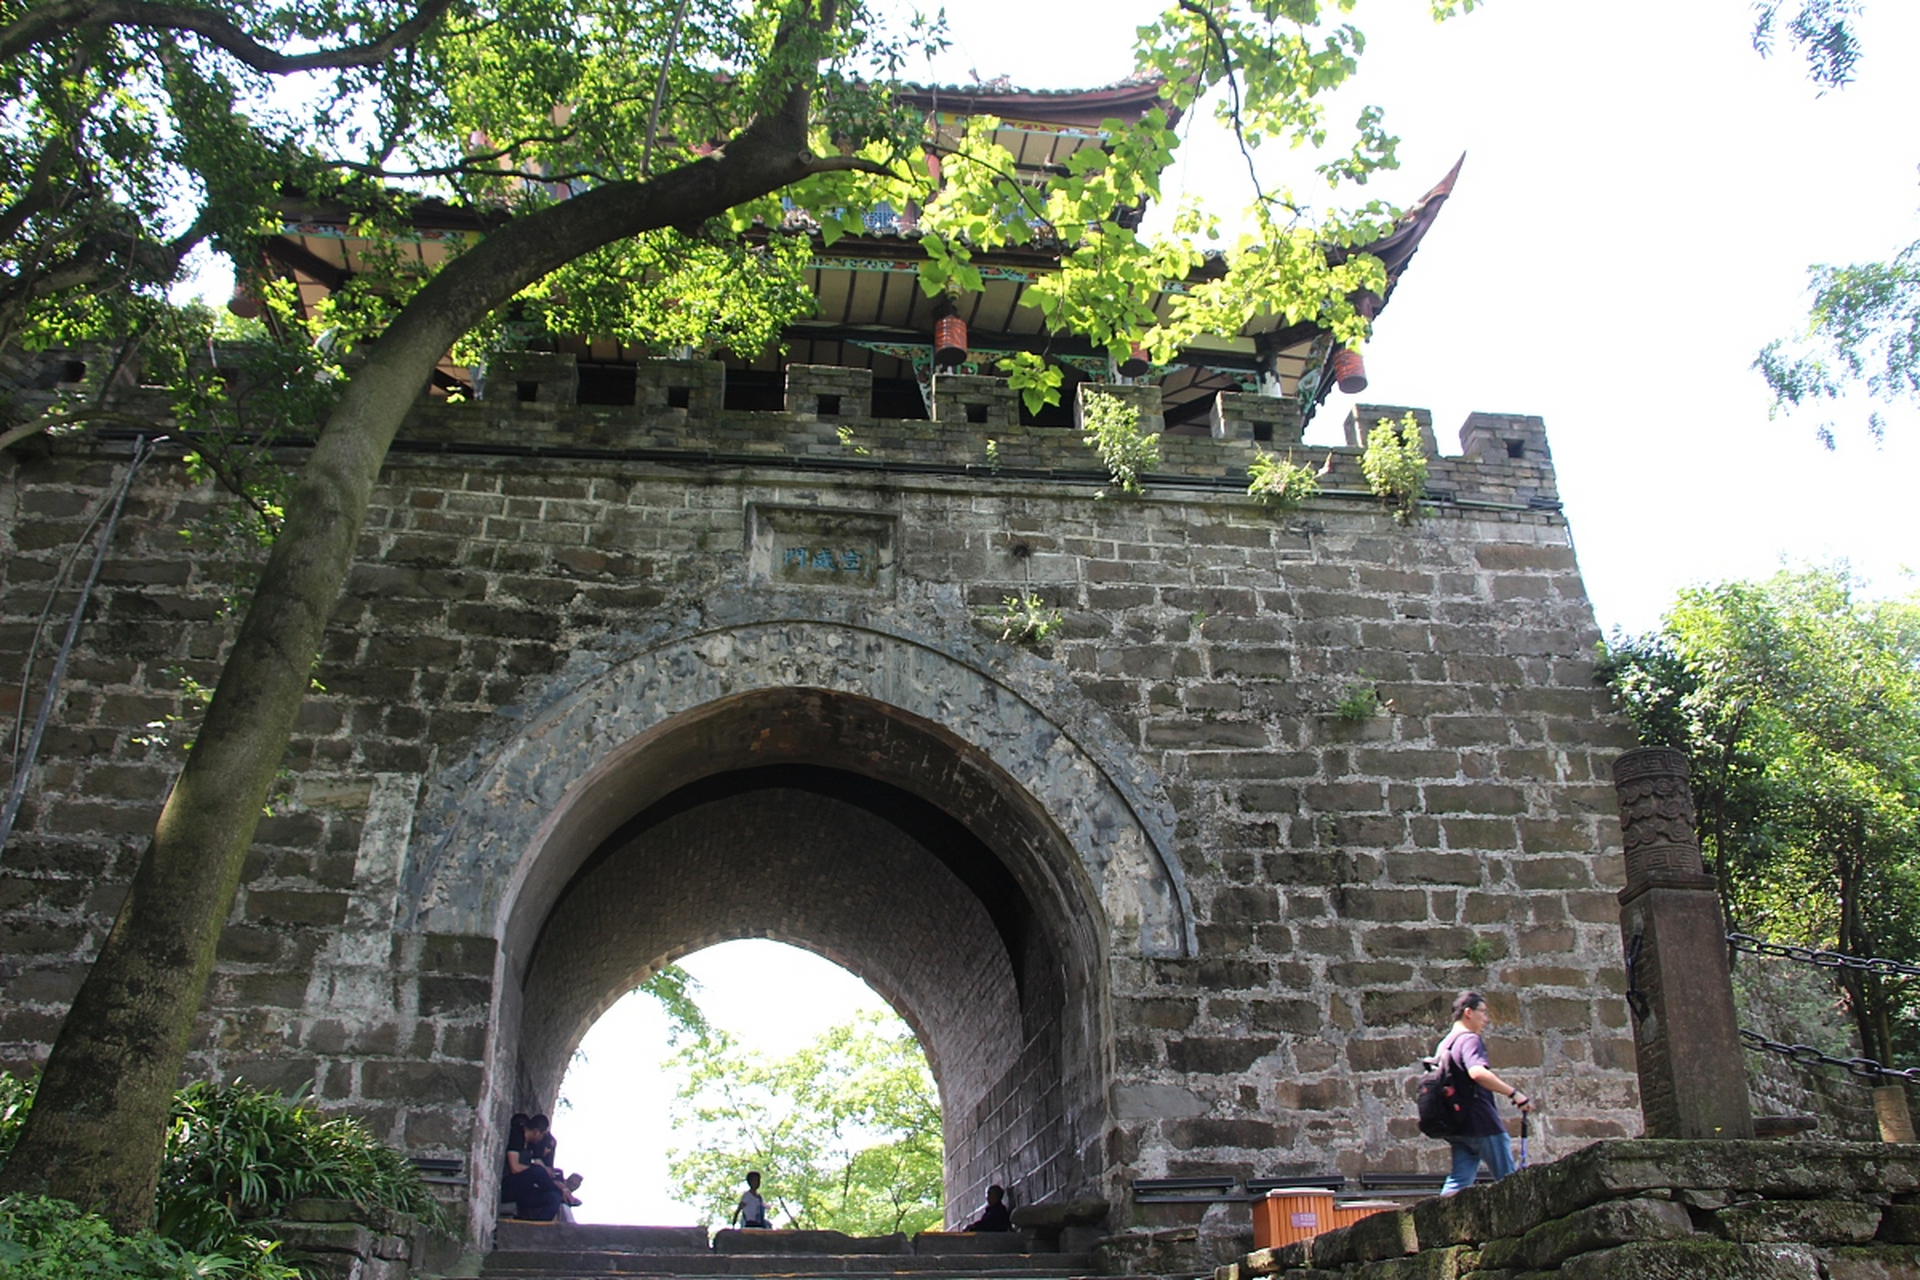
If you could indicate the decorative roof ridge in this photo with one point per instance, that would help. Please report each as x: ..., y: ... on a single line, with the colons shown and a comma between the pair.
x: 1004, y: 86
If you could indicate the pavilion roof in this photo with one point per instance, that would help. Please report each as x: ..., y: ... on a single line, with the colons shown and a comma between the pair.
x: 871, y: 306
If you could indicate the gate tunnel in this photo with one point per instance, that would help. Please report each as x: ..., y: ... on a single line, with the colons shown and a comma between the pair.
x: 850, y: 828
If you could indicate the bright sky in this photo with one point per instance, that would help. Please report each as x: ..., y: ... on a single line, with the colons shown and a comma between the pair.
x: 612, y: 1126
x: 1641, y: 198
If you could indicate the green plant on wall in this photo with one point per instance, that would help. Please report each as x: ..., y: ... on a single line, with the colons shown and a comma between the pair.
x: 1396, y: 467
x: 1112, y: 429
x: 1281, y: 483
x: 1361, y: 704
x: 1022, y: 619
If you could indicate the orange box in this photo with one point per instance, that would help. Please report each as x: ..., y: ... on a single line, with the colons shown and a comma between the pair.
x: 1351, y: 1211
x: 1288, y: 1214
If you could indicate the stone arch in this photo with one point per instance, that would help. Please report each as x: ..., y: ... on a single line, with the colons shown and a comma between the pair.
x: 1018, y: 727
x: 1000, y: 861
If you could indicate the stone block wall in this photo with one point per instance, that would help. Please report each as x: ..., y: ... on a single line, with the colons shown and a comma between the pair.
x: 1342, y: 875
x: 1764, y: 1210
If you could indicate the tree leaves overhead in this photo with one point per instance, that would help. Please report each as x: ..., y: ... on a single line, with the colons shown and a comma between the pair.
x: 1822, y: 30
x: 1798, y: 705
x: 141, y: 131
x: 1863, y: 328
x: 1863, y: 331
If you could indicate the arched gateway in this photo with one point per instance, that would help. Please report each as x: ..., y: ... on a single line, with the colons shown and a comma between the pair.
x: 1160, y: 896
x: 913, y: 817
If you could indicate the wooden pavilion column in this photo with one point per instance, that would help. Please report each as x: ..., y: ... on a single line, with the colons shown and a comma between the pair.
x: 1693, y: 1078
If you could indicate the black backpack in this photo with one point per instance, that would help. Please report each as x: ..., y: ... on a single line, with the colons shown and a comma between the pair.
x: 1443, y: 1094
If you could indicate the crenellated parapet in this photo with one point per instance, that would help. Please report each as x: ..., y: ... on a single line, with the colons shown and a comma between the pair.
x: 531, y: 403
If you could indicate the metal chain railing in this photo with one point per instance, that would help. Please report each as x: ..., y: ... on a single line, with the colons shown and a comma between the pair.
x: 1825, y: 959
x: 1806, y: 1054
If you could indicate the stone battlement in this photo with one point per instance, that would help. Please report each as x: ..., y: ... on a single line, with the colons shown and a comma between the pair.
x: 529, y: 405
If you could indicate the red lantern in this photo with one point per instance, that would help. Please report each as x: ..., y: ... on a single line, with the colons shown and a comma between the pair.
x: 244, y: 304
x: 1135, y: 364
x: 1349, y: 371
x: 949, y: 341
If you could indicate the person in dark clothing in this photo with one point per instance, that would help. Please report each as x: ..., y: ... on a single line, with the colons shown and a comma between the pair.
x: 1485, y: 1140
x: 541, y: 1149
x: 996, y: 1216
x: 536, y: 1194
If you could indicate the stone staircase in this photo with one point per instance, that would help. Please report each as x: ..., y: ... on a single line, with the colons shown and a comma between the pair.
x: 585, y: 1251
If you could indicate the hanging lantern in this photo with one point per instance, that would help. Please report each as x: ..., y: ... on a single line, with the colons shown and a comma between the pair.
x: 1349, y: 371
x: 1135, y: 364
x: 244, y: 304
x: 949, y: 341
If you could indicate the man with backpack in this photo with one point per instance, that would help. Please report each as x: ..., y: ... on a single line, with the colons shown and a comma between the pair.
x: 1463, y: 1088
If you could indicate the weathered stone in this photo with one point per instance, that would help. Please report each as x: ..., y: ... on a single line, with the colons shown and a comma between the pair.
x: 1871, y: 1262
x: 1900, y: 1224
x: 1806, y: 1221
x: 786, y: 1243
x: 1694, y: 1260
x: 1374, y: 1238
x: 1602, y: 1226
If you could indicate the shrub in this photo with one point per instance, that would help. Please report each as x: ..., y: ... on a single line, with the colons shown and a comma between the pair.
x: 236, y: 1154
x: 1022, y: 619
x: 1396, y: 467
x: 1112, y: 429
x: 15, y: 1097
x: 1362, y: 703
x: 43, y: 1239
x: 1281, y: 483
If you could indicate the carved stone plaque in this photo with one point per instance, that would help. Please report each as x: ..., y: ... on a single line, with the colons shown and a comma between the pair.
x: 816, y: 547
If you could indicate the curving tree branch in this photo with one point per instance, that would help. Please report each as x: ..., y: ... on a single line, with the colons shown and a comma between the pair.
x: 43, y: 23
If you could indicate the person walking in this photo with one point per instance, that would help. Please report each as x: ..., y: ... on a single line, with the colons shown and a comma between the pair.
x: 1484, y: 1139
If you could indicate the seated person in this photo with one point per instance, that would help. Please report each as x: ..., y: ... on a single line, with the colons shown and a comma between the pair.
x: 752, y: 1209
x: 536, y: 1194
x: 996, y: 1216
x: 541, y: 1147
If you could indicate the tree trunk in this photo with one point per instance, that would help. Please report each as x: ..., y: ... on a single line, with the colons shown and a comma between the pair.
x: 97, y: 1130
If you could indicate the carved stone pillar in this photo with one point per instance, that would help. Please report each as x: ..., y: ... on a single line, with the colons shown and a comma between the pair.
x: 1693, y: 1079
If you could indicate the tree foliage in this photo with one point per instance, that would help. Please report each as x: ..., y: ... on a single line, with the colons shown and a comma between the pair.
x: 1822, y: 30
x: 1798, y: 705
x: 845, y: 1132
x: 1863, y: 332
x: 1863, y: 327
x: 648, y: 168
x: 235, y: 1156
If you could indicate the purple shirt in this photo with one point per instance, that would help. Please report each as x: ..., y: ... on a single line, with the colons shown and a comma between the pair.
x: 1483, y: 1115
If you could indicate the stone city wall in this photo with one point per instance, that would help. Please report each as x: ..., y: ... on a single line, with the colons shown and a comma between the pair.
x: 1333, y: 877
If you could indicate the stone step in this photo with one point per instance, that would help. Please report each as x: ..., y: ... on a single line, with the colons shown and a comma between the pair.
x: 566, y: 1263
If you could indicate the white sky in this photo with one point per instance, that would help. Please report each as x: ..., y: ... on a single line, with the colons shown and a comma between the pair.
x: 613, y: 1126
x: 1641, y: 198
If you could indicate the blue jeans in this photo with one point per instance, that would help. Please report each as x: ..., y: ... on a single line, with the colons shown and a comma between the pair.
x: 1496, y: 1149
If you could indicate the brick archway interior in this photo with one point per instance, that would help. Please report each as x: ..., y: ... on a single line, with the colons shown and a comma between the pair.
x: 823, y: 821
